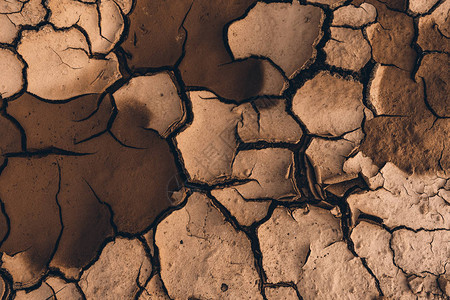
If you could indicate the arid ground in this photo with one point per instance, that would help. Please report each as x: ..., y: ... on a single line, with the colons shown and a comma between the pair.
x: 224, y: 149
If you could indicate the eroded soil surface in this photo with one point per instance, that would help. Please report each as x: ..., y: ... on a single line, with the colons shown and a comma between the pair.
x: 228, y: 149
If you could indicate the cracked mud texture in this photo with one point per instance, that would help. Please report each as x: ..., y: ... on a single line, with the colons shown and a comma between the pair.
x: 232, y: 149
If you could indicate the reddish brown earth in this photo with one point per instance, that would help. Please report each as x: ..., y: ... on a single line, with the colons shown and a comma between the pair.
x: 232, y: 149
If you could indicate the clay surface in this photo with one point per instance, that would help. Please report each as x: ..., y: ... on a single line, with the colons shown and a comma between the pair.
x: 229, y: 149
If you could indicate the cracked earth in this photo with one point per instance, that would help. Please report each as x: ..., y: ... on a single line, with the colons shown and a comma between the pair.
x: 227, y: 149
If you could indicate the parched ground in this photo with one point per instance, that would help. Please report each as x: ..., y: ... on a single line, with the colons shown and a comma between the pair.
x: 226, y: 149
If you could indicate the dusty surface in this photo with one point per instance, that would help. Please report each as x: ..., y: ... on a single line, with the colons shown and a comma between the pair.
x: 224, y: 149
